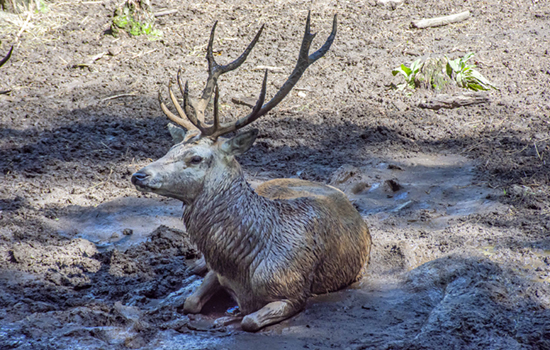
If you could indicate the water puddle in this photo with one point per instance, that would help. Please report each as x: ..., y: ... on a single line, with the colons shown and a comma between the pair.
x: 123, y: 221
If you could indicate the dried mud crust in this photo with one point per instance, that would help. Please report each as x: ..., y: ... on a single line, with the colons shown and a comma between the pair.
x: 72, y: 134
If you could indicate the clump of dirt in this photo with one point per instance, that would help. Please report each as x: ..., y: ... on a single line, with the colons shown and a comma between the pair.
x: 456, y: 199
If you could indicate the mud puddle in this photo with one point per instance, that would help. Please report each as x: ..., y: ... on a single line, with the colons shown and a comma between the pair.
x: 427, y: 191
x: 439, y: 186
x: 122, y: 222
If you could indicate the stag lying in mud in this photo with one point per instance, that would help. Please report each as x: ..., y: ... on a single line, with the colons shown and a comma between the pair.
x: 270, y: 248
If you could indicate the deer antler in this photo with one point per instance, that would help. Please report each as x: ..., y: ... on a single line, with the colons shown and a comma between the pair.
x: 191, y: 116
x: 5, y: 59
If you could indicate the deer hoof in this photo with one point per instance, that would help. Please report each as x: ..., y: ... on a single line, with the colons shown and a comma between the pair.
x: 191, y: 306
x: 250, y: 324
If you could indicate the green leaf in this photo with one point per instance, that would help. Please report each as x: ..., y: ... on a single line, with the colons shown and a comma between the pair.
x: 467, y: 56
x: 397, y: 71
x: 406, y: 69
x: 415, y: 66
x: 449, y: 70
x: 476, y: 75
x: 459, y: 80
x: 455, y: 66
x: 475, y: 87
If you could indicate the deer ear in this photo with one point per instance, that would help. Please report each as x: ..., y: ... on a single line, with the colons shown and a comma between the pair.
x: 240, y: 143
x: 177, y: 133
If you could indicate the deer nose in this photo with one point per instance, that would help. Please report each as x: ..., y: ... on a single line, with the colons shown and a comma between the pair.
x: 139, y: 177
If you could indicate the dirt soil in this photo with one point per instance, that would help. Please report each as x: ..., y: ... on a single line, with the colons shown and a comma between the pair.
x: 457, y: 199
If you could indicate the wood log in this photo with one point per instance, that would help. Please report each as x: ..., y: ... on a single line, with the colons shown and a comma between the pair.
x: 441, y: 21
x: 447, y: 101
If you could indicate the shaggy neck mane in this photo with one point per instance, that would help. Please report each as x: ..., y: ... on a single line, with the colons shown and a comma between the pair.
x: 231, y: 224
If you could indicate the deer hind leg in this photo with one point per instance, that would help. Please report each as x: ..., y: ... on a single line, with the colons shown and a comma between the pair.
x: 210, y: 285
x: 271, y: 313
x: 198, y: 267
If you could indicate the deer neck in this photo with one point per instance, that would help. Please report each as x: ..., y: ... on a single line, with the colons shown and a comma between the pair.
x: 227, y: 222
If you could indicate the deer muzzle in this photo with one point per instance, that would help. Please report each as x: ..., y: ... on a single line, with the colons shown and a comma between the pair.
x: 142, y: 181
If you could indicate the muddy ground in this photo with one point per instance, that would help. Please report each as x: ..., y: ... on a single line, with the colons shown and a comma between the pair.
x: 457, y: 199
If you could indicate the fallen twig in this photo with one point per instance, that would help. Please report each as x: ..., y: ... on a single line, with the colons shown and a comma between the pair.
x: 118, y: 96
x: 446, y: 101
x: 143, y: 53
x: 102, y: 182
x: 441, y: 21
x: 24, y: 26
x: 91, y: 60
x: 165, y: 12
x: 245, y: 101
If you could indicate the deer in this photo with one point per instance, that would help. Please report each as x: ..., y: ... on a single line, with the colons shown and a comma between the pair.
x: 271, y: 247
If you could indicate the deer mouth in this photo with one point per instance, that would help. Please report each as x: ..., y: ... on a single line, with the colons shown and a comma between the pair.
x: 144, y: 182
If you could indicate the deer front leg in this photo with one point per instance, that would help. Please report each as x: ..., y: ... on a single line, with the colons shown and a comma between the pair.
x: 210, y: 285
x: 271, y: 313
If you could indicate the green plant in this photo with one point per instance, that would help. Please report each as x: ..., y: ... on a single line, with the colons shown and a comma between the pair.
x: 432, y: 74
x: 409, y: 73
x: 465, y: 75
x: 136, y: 18
x: 41, y: 6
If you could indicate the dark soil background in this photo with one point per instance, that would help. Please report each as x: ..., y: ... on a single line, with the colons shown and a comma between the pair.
x: 464, y: 264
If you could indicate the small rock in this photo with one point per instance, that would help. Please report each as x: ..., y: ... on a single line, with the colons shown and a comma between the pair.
x: 128, y: 232
x: 394, y: 167
x: 392, y: 185
x: 114, y: 51
x: 179, y: 325
x: 359, y: 187
x: 200, y: 325
x: 393, y: 4
x: 401, y: 106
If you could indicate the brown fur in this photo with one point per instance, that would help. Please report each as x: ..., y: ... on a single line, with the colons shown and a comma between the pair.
x: 270, y: 248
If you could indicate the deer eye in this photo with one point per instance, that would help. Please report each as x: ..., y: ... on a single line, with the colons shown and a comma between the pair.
x: 196, y: 160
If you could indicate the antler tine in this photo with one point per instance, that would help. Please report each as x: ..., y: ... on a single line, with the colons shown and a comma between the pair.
x: 215, y: 70
x: 178, y: 120
x: 194, y: 112
x: 190, y: 110
x: 183, y: 118
x: 304, y: 61
x: 208, y: 130
x: 5, y: 59
x: 181, y: 112
x: 218, y: 130
x: 216, y: 110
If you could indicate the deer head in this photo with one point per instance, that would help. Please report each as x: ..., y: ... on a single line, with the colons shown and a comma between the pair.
x: 203, y: 156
